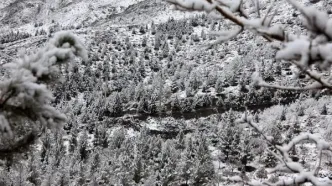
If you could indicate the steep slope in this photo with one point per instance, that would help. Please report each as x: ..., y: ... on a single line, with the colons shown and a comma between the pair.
x: 20, y: 12
x: 145, y: 12
x: 16, y: 13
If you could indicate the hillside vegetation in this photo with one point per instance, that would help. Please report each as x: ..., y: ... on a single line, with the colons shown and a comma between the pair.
x: 157, y: 102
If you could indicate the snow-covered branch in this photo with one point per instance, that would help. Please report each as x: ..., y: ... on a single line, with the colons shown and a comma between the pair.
x: 307, y: 53
x: 302, y: 51
x: 286, y: 164
x: 25, y: 93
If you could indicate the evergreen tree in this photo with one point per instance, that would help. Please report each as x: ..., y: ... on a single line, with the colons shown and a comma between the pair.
x: 95, y: 163
x: 46, y: 146
x: 81, y: 179
x: 118, y: 138
x: 47, y: 181
x: 157, y: 42
x: 269, y: 159
x: 300, y: 110
x: 204, y: 169
x: 33, y: 171
x: 323, y: 110
x: 203, y: 35
x: 114, y: 105
x: 219, y: 85
x: 153, y: 28
x: 138, y: 170
x: 144, y: 41
x: 63, y: 179
x: 83, y: 146
x: 142, y: 30
x: 230, y: 139
x: 165, y: 50
x: 283, y: 114
x: 186, y: 167
x: 180, y: 144
x: 59, y: 148
x: 169, y: 158
x: 73, y: 138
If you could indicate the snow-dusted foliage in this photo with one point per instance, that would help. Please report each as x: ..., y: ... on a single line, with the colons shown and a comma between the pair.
x: 25, y: 98
x: 286, y: 163
x: 158, y: 101
x: 301, y: 51
x: 310, y: 54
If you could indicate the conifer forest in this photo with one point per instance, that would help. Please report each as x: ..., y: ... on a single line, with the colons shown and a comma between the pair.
x: 165, y: 93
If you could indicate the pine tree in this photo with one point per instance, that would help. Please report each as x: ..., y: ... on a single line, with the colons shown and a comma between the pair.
x: 169, y: 158
x: 165, y: 51
x: 96, y: 137
x: 261, y: 173
x: 300, y: 110
x: 114, y: 105
x: 144, y: 41
x: 63, y: 179
x: 323, y: 110
x: 203, y: 35
x: 269, y: 159
x: 204, y: 169
x: 95, y: 163
x: 138, y: 170
x: 246, y: 154
x: 157, y: 42
x: 283, y: 114
x: 73, y: 138
x: 219, y: 85
x: 81, y: 175
x: 106, y: 70
x: 230, y: 139
x: 59, y: 148
x: 142, y: 30
x: 118, y: 138
x: 104, y: 137
x: 141, y: 68
x: 83, y: 146
x: 180, y: 144
x: 153, y: 28
x: 47, y: 181
x: 151, y: 180
x: 46, y: 146
x: 186, y: 167
x: 33, y: 171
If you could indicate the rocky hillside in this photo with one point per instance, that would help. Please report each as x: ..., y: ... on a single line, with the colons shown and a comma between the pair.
x: 67, y: 12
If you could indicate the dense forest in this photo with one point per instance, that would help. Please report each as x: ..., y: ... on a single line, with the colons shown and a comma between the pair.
x: 185, y: 101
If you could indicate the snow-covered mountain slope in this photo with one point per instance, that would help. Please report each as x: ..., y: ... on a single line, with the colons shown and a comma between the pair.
x: 66, y: 12
x: 83, y: 13
x: 146, y: 11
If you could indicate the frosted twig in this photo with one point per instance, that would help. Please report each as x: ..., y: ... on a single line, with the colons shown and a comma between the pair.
x: 287, y: 164
x: 313, y: 75
x: 226, y: 36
